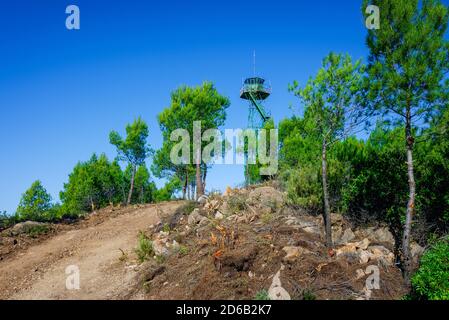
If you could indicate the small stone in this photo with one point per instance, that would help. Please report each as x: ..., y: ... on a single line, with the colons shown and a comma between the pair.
x: 293, y: 253
x: 219, y: 215
x: 359, y: 274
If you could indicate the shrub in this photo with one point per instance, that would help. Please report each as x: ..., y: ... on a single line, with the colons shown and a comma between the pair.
x: 6, y: 221
x: 237, y: 203
x: 431, y: 281
x: 262, y: 295
x: 303, y: 187
x: 144, y: 249
x: 36, y: 231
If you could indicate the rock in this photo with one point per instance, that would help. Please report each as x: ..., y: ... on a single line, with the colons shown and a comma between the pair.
x: 363, y: 256
x: 347, y: 236
x: 266, y: 197
x: 203, y: 199
x: 355, y: 252
x: 416, y: 251
x: 160, y: 248
x: 336, y: 219
x: 175, y: 245
x: 362, y: 244
x: 276, y: 291
x: 312, y: 229
x: 219, y: 215
x: 360, y: 274
x: 224, y: 208
x: 306, y: 223
x: 25, y: 227
x: 379, y: 235
x: 382, y: 255
x: 350, y: 248
x: 204, y: 221
x: 293, y: 253
x: 195, y: 217
x: 337, y: 232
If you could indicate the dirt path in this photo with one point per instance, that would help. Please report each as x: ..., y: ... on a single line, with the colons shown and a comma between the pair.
x: 39, y: 272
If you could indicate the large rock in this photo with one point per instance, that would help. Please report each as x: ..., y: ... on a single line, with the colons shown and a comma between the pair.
x: 362, y: 244
x: 195, y: 217
x: 265, y: 196
x: 355, y: 252
x: 347, y: 236
x: 382, y: 255
x: 25, y: 227
x: 308, y: 224
x: 379, y: 235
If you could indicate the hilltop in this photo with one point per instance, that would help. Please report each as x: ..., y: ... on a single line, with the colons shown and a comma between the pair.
x: 245, y: 244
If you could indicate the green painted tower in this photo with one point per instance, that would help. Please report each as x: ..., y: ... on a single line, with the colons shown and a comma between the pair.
x: 255, y: 91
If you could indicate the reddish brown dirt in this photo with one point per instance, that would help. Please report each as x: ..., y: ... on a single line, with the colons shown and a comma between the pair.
x: 247, y: 264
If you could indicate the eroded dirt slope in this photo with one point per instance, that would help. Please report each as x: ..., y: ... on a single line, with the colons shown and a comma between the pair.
x: 38, y: 272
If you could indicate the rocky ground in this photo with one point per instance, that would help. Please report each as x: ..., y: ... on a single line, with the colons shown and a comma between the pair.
x: 244, y: 244
x: 248, y: 243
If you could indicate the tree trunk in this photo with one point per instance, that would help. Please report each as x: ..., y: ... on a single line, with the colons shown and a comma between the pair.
x: 184, y: 188
x: 199, y: 184
x: 204, y: 179
x: 327, y: 213
x: 130, y: 194
x: 407, y: 263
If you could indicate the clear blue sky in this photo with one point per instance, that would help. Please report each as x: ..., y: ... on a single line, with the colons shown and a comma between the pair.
x: 62, y: 92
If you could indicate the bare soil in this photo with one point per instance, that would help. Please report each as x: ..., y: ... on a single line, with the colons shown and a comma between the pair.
x: 34, y: 268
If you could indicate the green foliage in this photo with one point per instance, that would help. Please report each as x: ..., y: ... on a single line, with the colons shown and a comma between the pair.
x: 408, y: 59
x: 92, y: 185
x: 252, y: 171
x: 188, y: 104
x: 183, y: 250
x: 187, y: 208
x: 36, y: 231
x: 6, y: 220
x: 308, y: 295
x: 133, y: 149
x: 143, y: 186
x: 378, y: 184
x: 331, y: 99
x: 144, y: 248
x: 168, y: 191
x: 303, y: 187
x: 237, y: 203
x: 262, y: 295
x: 35, y: 203
x: 431, y: 281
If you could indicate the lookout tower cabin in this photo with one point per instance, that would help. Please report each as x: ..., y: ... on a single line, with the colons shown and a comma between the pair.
x: 255, y: 91
x: 256, y: 88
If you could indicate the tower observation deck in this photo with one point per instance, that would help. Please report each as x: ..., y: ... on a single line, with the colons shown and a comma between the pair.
x: 256, y: 91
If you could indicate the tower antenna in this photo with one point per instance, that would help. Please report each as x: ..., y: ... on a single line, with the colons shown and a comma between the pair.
x: 254, y: 62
